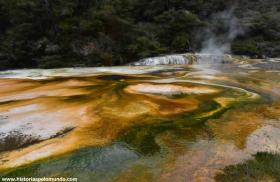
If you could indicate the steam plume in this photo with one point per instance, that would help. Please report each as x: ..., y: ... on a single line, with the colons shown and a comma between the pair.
x: 218, y: 41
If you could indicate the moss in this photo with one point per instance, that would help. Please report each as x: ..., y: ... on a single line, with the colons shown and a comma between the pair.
x: 265, y: 167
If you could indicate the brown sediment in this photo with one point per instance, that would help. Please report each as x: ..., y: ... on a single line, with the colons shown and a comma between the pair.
x: 9, y: 86
x: 143, y: 175
x: 42, y: 91
x: 96, y: 121
x: 237, y: 136
x: 202, y: 161
x: 100, y: 109
x: 236, y: 126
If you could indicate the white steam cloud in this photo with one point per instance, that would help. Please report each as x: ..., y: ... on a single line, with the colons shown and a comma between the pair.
x: 218, y: 42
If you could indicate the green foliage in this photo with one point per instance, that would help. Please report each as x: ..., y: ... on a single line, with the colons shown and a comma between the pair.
x: 265, y: 167
x: 247, y: 47
x: 145, y: 47
x: 59, y: 33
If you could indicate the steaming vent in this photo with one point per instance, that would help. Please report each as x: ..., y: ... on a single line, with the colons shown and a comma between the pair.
x: 180, y: 59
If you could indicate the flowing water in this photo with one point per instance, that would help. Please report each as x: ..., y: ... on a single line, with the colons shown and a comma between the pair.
x: 158, y: 121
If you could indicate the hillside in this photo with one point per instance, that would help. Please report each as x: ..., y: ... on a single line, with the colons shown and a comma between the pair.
x: 62, y: 33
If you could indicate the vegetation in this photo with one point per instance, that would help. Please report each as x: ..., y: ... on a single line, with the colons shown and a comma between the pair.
x: 265, y: 167
x: 61, y: 33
